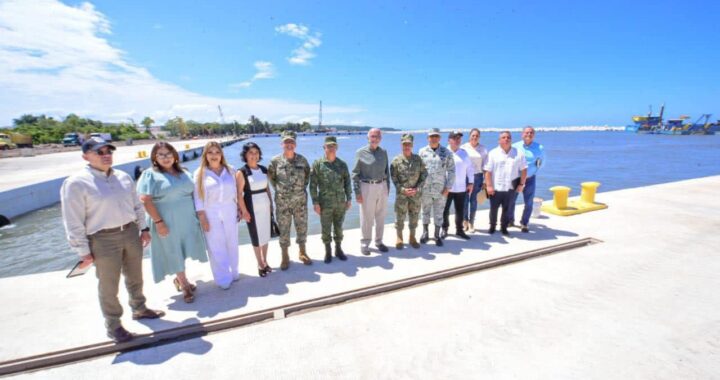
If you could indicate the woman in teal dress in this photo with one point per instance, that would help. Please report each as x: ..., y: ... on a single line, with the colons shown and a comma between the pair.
x: 166, y: 191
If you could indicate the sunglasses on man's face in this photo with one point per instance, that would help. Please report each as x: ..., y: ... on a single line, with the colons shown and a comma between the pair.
x: 108, y: 152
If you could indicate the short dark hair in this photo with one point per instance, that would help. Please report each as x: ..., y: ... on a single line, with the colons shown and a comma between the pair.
x: 246, y: 149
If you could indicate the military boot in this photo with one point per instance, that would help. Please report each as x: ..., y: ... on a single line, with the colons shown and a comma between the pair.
x: 285, y: 258
x: 328, y: 253
x: 303, y: 255
x: 413, y: 243
x: 399, y: 242
x: 339, y: 252
x: 438, y: 239
x: 424, y: 237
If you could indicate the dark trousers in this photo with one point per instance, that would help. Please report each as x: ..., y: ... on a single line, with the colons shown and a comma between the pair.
x: 528, y: 195
x: 501, y: 198
x: 459, y: 200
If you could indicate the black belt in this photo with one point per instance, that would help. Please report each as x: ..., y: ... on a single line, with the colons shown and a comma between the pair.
x: 117, y: 229
x: 373, y: 181
x: 253, y: 192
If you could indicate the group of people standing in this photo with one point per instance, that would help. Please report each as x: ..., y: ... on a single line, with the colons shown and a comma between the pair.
x: 183, y: 216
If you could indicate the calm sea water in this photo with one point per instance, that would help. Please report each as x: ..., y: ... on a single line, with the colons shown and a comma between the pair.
x: 36, y: 242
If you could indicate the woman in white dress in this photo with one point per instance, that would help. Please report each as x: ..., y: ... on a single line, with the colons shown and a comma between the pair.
x: 216, y: 205
x: 255, y: 203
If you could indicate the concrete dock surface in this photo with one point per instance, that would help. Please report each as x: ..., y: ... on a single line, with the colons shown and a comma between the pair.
x: 642, y: 303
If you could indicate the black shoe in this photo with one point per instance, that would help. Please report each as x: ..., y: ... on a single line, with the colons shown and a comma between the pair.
x: 491, y: 230
x: 444, y: 233
x: 339, y: 252
x: 438, y: 239
x: 524, y: 228
x: 504, y: 231
x: 328, y: 254
x: 120, y: 335
x: 462, y: 234
x: 424, y: 238
x: 381, y: 247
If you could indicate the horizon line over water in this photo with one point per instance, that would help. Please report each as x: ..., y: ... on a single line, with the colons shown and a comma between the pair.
x: 579, y: 128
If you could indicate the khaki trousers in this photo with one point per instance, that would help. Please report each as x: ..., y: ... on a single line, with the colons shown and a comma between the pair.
x: 117, y: 252
x: 373, y: 211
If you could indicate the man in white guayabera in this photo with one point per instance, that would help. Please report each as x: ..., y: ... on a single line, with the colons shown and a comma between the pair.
x: 505, y: 172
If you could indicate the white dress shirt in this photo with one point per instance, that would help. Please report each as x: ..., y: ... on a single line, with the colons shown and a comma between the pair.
x: 478, y: 156
x: 92, y: 201
x: 505, y: 167
x: 463, y: 170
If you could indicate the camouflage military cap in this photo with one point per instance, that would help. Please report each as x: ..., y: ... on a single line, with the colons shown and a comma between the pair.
x: 407, y: 138
x: 434, y: 132
x: 288, y: 135
x: 330, y: 140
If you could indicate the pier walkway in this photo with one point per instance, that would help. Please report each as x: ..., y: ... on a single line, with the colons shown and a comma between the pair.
x: 635, y: 297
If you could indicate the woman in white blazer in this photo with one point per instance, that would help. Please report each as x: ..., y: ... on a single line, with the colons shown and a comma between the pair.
x: 217, y: 209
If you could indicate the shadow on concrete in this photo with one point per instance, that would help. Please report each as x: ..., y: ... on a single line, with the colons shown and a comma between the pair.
x: 540, y: 232
x: 161, y: 354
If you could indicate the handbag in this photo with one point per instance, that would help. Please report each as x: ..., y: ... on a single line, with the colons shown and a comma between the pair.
x: 482, y: 195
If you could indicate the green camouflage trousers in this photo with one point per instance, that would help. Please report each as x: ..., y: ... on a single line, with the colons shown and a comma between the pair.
x: 331, y: 219
x: 410, y: 206
x: 288, y: 210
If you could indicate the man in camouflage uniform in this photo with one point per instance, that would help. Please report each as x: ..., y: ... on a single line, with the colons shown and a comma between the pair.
x: 408, y: 173
x: 331, y: 195
x: 441, y: 176
x: 289, y: 174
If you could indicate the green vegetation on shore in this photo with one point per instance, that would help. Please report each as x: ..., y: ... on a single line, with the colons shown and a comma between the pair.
x: 48, y: 130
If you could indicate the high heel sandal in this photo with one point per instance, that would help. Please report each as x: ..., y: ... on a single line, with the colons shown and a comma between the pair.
x: 188, y: 295
x: 267, y: 269
x: 262, y: 272
x: 176, y: 282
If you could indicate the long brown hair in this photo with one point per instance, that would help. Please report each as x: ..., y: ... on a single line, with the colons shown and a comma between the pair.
x: 169, y: 147
x: 200, y: 180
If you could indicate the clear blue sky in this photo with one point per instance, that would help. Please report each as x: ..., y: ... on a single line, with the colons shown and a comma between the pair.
x: 421, y: 63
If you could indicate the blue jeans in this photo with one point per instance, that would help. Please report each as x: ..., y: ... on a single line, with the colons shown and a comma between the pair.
x: 528, y: 195
x: 471, y: 201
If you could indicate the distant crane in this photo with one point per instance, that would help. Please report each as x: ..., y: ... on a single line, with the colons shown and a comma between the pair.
x: 222, y: 117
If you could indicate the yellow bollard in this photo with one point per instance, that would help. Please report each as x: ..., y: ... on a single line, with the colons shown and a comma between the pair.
x: 589, y: 189
x: 187, y: 146
x: 560, y: 196
x: 140, y: 154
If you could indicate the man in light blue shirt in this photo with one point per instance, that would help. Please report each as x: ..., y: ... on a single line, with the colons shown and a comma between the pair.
x: 535, y: 156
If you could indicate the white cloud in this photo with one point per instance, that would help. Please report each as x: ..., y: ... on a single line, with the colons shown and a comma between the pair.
x: 65, y: 64
x: 303, y: 54
x: 265, y: 70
